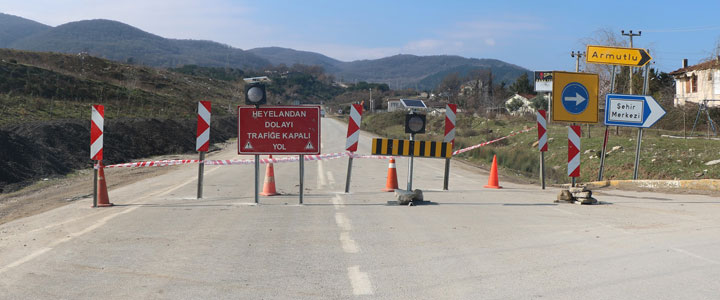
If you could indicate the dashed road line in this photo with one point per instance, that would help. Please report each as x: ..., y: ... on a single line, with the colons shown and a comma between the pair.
x: 360, y: 281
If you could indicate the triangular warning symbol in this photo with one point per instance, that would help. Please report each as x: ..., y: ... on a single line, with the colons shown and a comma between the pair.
x: 248, y: 146
x: 309, y: 146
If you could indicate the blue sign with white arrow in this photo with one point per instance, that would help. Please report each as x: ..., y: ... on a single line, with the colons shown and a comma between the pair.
x: 574, y: 98
x: 632, y: 110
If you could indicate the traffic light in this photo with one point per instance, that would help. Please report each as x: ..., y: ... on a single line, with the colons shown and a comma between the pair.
x: 414, y: 123
x: 255, y: 94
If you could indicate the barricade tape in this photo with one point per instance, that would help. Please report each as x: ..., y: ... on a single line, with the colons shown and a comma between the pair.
x: 228, y: 162
x: 493, y: 141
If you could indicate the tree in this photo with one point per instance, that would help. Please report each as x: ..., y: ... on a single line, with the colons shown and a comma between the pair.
x: 514, y: 105
x: 451, y: 85
x: 539, y: 102
x: 522, y: 85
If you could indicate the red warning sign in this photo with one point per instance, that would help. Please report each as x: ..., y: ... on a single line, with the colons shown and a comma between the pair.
x: 279, y: 130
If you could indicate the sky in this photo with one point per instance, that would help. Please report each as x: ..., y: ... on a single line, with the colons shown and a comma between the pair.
x: 538, y: 35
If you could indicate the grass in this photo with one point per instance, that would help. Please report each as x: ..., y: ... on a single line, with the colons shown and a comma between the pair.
x: 660, y: 157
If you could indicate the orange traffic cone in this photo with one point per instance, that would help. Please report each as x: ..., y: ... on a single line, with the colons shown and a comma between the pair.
x: 103, y: 199
x: 269, y: 185
x: 392, y: 183
x: 493, y: 180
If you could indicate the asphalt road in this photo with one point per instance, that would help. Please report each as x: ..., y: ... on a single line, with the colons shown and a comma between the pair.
x: 159, y: 242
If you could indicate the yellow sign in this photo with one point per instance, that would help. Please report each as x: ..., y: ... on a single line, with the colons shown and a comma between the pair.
x: 575, y: 97
x: 634, y: 57
x: 411, y: 148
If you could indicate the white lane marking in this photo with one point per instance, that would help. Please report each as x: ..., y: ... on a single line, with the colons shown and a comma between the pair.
x: 70, y: 236
x: 342, y: 221
x: 337, y: 202
x: 25, y: 259
x: 97, y: 225
x: 321, y: 181
x: 696, y: 256
x: 348, y: 244
x: 360, y: 281
x: 331, y: 178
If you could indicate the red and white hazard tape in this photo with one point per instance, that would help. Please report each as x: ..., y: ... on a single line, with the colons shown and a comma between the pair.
x: 490, y: 142
x: 229, y: 162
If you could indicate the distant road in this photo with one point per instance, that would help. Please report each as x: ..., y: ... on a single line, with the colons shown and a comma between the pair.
x: 468, y: 243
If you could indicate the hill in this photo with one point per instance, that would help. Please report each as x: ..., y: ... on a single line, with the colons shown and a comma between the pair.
x: 424, y: 72
x: 121, y: 42
x: 399, y: 71
x: 124, y: 43
x: 13, y: 28
x: 289, y: 57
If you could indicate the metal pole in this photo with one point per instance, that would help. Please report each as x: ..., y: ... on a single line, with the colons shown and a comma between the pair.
x: 447, y: 174
x: 640, y: 130
x: 410, y: 166
x: 542, y: 168
x: 95, y: 189
x: 637, y: 153
x: 302, y: 181
x: 607, y: 133
x: 201, y: 171
x: 257, y: 179
x: 349, y: 173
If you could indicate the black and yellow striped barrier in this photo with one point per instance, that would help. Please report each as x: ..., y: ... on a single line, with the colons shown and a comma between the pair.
x: 411, y: 148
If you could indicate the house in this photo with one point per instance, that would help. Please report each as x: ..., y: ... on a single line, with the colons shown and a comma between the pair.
x: 697, y: 83
x: 394, y: 104
x: 525, y: 108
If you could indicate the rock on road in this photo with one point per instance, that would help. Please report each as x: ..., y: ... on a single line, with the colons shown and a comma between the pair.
x: 159, y: 242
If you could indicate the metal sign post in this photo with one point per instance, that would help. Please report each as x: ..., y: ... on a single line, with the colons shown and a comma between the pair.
x: 95, y: 189
x: 302, y: 177
x: 604, y: 147
x: 410, y: 166
x: 640, y: 130
x: 201, y: 171
x: 257, y: 179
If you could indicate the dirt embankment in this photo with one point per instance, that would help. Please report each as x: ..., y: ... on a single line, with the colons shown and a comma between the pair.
x: 33, y: 151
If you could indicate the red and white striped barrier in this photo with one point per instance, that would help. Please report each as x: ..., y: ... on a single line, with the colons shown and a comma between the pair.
x: 542, y: 130
x: 574, y: 151
x: 96, y: 132
x: 274, y: 160
x: 450, y: 112
x: 203, y: 126
x: 353, y: 133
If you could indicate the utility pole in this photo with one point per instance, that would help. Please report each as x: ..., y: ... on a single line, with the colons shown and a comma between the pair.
x: 577, y: 56
x: 631, y: 35
x: 372, y: 105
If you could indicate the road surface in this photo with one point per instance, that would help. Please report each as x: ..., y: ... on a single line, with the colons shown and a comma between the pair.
x: 159, y: 242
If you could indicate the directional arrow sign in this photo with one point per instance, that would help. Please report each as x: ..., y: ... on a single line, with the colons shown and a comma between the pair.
x: 575, y: 97
x: 632, y: 110
x: 634, y: 57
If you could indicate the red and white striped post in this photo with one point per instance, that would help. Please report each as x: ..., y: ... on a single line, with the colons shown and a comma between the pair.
x: 202, y: 144
x: 353, y: 138
x: 542, y: 142
x: 574, y: 152
x: 450, y: 112
x: 97, y: 125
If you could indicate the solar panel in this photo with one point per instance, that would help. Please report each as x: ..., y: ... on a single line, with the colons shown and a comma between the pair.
x: 411, y: 103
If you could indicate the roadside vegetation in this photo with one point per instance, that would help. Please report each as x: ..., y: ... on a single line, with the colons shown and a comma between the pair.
x: 661, y: 157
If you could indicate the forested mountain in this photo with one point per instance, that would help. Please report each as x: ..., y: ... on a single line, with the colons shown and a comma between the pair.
x: 13, y: 28
x: 121, y: 42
